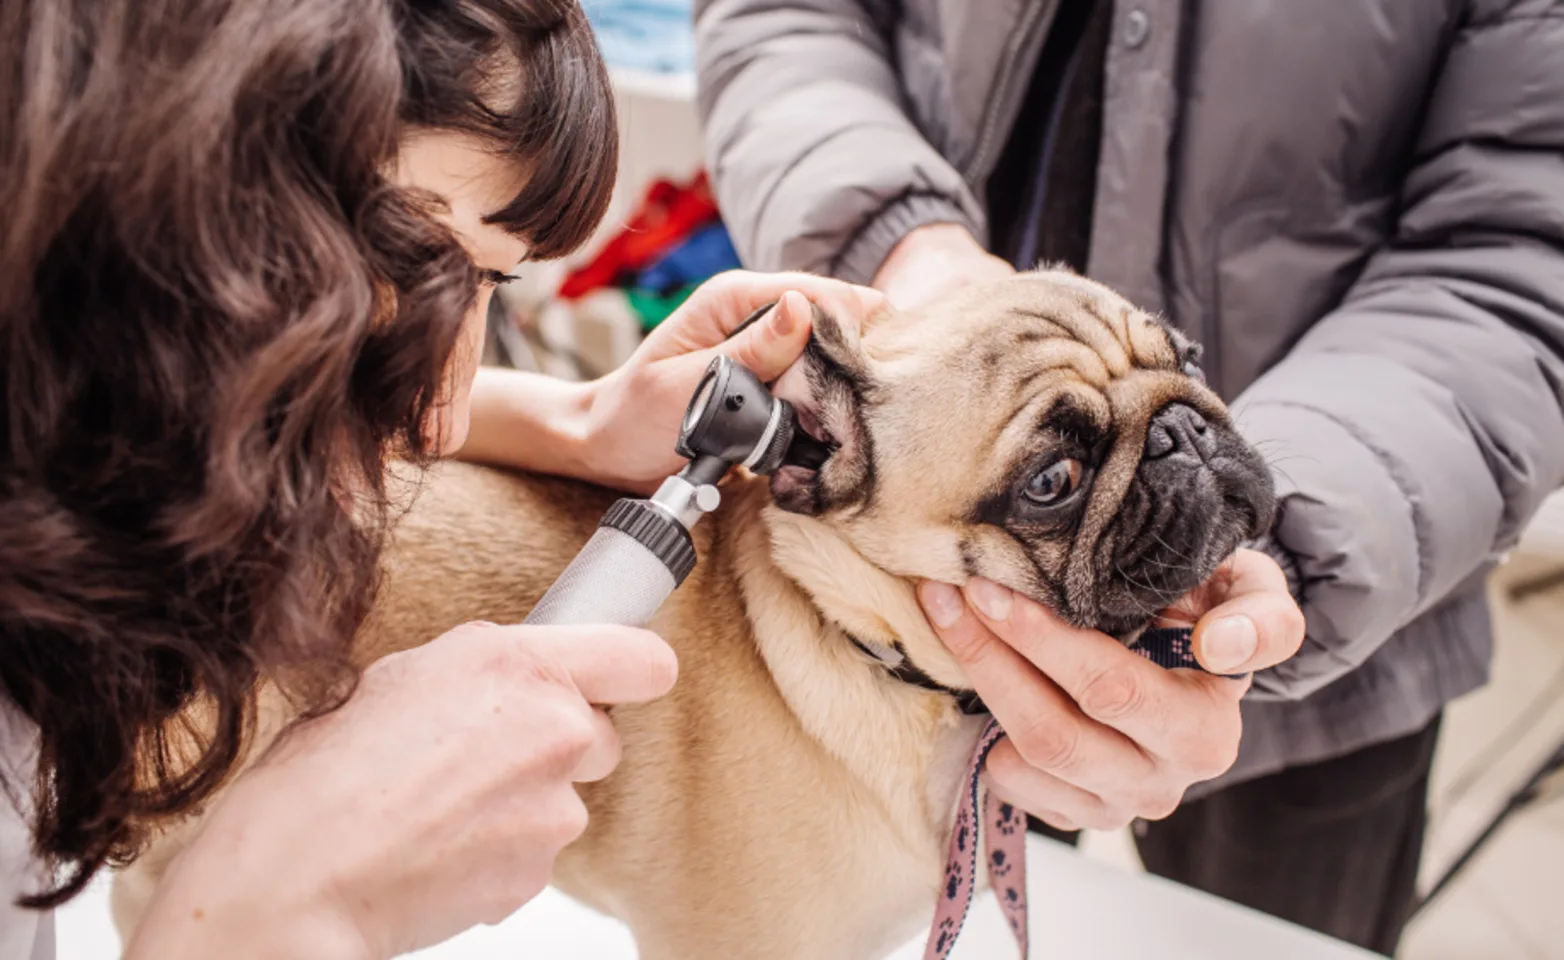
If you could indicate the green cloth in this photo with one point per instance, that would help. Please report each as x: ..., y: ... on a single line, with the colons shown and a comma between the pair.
x: 653, y: 308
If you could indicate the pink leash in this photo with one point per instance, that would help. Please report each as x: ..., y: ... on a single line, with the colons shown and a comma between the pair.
x: 1003, y: 835
x: 1004, y: 826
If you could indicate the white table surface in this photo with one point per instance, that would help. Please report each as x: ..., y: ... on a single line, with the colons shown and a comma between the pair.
x: 1081, y: 909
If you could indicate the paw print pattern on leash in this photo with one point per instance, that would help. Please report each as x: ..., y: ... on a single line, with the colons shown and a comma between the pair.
x: 1006, y: 839
x: 946, y: 937
x: 954, y: 877
x: 1003, y: 833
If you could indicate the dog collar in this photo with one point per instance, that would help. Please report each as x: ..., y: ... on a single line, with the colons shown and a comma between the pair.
x: 896, y: 662
x: 1168, y: 647
x: 1000, y: 827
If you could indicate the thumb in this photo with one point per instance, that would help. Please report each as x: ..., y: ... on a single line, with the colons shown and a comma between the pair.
x: 1254, y: 622
x: 776, y: 342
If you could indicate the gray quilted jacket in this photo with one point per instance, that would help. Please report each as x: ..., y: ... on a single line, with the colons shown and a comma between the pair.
x: 1358, y: 207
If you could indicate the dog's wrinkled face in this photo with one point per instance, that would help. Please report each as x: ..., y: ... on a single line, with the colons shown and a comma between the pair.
x: 1040, y: 432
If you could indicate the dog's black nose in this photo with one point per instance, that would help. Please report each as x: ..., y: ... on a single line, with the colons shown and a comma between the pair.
x: 1178, y: 428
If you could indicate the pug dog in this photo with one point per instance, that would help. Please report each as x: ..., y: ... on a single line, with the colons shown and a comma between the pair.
x: 792, y: 797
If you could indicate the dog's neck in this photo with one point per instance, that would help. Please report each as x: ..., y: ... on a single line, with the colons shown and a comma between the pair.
x: 865, y: 602
x: 808, y: 591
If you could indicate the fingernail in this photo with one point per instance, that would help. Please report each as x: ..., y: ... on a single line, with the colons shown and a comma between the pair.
x: 784, y: 322
x: 992, y: 600
x: 1229, y: 643
x: 941, y: 603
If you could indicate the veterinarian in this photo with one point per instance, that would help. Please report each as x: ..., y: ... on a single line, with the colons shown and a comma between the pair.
x: 1359, y: 209
x: 248, y: 248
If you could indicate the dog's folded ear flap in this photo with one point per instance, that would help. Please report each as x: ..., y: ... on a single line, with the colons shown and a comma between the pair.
x: 832, y: 341
x: 833, y: 355
x: 837, y: 348
x: 1186, y: 352
x: 828, y: 387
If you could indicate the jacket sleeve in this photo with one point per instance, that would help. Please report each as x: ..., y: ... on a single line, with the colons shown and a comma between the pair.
x: 1419, y: 426
x: 816, y: 165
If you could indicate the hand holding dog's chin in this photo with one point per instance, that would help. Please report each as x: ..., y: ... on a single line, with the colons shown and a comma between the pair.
x: 437, y: 798
x: 934, y: 260
x: 1097, y: 736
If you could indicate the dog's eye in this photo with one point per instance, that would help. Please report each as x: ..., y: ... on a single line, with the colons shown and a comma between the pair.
x: 1054, y: 483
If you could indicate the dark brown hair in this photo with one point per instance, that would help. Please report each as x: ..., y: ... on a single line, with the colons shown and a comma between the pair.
x: 219, y: 320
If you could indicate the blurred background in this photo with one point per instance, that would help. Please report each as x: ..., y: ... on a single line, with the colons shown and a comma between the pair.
x: 1495, y: 848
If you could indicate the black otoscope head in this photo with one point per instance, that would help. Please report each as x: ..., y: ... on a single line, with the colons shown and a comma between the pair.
x: 733, y: 419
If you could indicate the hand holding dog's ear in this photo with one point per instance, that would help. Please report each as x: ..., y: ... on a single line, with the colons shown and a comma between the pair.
x: 706, y: 323
x: 619, y: 430
x: 1097, y: 735
x: 635, y: 411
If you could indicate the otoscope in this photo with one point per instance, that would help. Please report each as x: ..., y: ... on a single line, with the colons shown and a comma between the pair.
x: 642, y: 549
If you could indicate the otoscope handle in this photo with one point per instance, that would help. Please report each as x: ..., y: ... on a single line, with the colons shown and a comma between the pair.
x: 638, y: 556
x: 642, y: 550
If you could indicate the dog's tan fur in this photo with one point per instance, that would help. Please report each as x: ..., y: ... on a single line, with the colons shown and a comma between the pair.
x: 788, y: 799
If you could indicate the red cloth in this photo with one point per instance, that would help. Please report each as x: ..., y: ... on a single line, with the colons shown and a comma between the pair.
x: 667, y: 215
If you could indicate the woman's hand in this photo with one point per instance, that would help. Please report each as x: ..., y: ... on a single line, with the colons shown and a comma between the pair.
x: 619, y: 430
x: 436, y: 799
x: 636, y: 410
x: 1097, y: 735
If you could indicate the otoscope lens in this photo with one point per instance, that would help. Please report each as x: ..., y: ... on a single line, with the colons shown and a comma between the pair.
x: 692, y: 416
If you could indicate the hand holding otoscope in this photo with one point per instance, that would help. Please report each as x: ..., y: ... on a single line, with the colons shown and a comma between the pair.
x: 642, y: 549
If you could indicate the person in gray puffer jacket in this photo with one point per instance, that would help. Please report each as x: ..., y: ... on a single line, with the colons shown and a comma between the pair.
x: 1358, y: 208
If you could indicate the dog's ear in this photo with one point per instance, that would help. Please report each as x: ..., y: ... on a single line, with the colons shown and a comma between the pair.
x: 839, y: 344
x: 829, y: 388
x: 834, y: 362
x: 833, y: 355
x: 1186, y: 352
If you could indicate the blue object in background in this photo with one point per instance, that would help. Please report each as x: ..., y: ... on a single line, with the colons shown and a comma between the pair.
x: 701, y: 256
x: 653, y: 35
